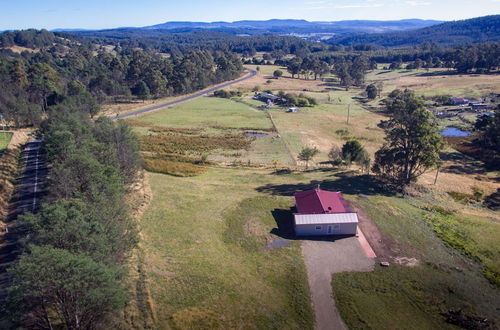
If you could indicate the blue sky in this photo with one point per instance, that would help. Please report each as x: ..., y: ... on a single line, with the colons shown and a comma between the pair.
x: 92, y: 14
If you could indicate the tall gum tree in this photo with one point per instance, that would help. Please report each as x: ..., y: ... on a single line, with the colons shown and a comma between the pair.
x: 412, y: 139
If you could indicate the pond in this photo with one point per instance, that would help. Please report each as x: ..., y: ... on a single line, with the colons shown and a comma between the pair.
x: 256, y: 134
x: 454, y: 132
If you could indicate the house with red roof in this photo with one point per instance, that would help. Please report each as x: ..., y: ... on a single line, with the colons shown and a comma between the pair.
x: 321, y: 212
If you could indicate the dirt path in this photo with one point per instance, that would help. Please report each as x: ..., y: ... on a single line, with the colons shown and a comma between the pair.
x: 322, y: 260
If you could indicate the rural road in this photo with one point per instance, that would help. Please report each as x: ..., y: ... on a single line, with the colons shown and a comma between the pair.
x: 27, y: 194
x: 323, y: 258
x: 250, y: 74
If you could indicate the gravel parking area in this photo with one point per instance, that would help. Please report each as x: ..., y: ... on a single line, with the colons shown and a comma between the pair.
x: 324, y: 258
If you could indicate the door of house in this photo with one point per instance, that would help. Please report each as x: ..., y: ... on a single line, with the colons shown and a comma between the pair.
x: 329, y: 229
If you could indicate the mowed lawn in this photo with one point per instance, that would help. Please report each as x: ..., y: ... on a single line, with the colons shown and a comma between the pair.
x: 205, y: 243
x: 4, y: 140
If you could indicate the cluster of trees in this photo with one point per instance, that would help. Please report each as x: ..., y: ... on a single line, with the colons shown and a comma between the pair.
x: 307, y: 66
x: 89, y: 75
x: 226, y: 94
x: 351, y: 152
x: 472, y: 58
x: 300, y: 100
x: 70, y: 274
x: 351, y: 70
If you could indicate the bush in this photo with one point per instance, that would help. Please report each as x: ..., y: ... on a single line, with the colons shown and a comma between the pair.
x: 226, y: 94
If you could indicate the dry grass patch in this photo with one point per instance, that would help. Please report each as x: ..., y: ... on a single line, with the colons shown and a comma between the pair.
x: 167, y: 143
x: 178, y: 130
x: 165, y: 166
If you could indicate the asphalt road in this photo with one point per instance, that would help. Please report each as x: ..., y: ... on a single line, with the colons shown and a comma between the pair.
x: 28, y: 191
x: 251, y: 73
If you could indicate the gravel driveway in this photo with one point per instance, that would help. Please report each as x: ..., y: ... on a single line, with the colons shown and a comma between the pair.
x: 324, y: 258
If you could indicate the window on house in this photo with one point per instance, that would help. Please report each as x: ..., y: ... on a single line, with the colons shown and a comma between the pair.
x: 319, y: 227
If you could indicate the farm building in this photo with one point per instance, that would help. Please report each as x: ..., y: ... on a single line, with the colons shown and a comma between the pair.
x: 321, y: 212
x: 458, y: 101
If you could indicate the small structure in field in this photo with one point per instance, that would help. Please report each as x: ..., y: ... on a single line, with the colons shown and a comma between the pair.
x: 458, y: 101
x: 321, y: 212
x: 293, y: 109
x: 480, y: 106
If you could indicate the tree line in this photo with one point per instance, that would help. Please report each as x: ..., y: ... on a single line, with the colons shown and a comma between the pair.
x: 70, y: 275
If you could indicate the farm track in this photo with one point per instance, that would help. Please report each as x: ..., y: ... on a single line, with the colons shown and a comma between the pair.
x: 251, y: 73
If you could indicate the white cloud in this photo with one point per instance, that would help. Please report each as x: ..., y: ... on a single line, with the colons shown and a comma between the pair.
x: 320, y: 4
x: 315, y: 2
x: 375, y: 5
x: 418, y: 3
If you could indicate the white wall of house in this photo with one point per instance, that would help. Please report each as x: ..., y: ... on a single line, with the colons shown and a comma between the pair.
x: 326, y: 224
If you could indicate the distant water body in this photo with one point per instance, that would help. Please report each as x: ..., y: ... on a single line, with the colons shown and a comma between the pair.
x: 454, y: 132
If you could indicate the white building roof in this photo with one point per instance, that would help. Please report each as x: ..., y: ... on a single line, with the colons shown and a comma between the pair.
x: 321, y: 219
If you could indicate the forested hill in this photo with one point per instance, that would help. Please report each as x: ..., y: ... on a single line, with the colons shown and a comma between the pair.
x: 42, y: 72
x: 475, y: 30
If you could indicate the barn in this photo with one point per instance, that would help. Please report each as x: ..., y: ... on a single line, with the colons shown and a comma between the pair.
x: 321, y: 212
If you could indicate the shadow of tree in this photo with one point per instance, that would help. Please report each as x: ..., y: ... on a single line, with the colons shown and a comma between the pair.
x: 345, y: 182
x: 462, y: 163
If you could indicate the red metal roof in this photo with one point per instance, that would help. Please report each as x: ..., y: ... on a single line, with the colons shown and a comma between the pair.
x: 319, y: 201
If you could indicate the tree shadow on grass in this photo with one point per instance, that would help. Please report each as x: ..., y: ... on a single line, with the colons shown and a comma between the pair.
x: 345, y: 182
x: 462, y: 164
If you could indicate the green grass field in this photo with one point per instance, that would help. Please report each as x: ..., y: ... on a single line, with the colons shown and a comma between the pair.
x: 206, y: 112
x: 4, y: 140
x: 221, y: 116
x: 205, y: 240
x: 205, y: 236
x: 445, y: 279
x: 319, y: 126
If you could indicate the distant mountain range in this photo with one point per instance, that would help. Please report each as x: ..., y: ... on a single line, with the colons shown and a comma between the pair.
x: 279, y: 26
x: 302, y: 26
x: 402, y: 33
x: 474, y: 30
